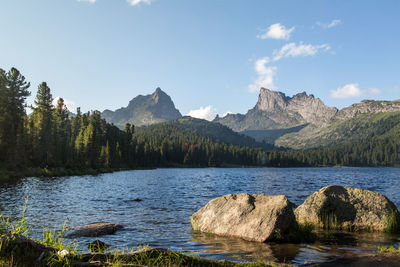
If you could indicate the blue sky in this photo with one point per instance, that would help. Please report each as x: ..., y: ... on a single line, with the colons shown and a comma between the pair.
x: 213, y: 54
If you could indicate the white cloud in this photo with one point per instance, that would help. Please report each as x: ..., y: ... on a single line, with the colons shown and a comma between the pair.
x: 265, y: 75
x: 206, y: 113
x: 353, y: 90
x: 332, y: 24
x: 276, y: 31
x: 300, y: 50
x: 90, y: 1
x: 347, y: 91
x: 71, y: 105
x: 136, y: 2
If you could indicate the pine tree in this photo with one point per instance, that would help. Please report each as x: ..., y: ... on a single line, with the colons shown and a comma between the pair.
x: 13, y: 94
x: 62, y: 134
x: 43, y: 123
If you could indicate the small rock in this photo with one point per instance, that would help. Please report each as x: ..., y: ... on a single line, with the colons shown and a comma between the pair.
x: 94, y: 229
x: 253, y: 217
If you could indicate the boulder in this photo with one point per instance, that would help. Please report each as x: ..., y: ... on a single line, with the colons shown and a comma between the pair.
x: 253, y: 217
x: 94, y: 229
x: 23, y: 250
x: 346, y: 208
x: 97, y: 246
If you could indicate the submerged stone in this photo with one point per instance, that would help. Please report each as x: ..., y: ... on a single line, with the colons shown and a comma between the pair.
x: 253, y: 217
x: 347, y: 208
x: 94, y: 229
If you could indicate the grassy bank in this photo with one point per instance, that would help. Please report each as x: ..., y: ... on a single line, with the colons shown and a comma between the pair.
x: 141, y: 258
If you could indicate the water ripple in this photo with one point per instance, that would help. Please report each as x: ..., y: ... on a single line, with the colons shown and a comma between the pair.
x: 169, y: 196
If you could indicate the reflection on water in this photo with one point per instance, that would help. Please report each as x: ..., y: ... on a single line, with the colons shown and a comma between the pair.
x: 242, y: 250
x: 170, y: 196
x: 329, y: 244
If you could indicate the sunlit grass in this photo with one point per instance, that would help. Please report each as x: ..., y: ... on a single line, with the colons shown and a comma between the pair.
x: 393, y: 223
x: 389, y: 250
x: 329, y: 221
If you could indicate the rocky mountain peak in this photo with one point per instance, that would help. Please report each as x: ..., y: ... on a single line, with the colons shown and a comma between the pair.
x: 160, y: 94
x: 271, y: 101
x: 144, y: 110
x: 303, y: 95
x: 303, y: 107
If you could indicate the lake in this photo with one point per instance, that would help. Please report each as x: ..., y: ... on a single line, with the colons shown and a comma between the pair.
x: 170, y: 196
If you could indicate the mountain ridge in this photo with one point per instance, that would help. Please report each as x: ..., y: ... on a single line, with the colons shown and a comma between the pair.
x: 275, y: 110
x: 298, y: 121
x: 284, y: 121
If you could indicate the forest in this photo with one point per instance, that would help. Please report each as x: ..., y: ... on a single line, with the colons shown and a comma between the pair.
x: 51, y: 138
x: 375, y: 152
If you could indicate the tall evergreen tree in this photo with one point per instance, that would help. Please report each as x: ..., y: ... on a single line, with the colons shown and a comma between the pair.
x: 62, y: 134
x: 3, y: 111
x: 13, y: 94
x: 43, y: 123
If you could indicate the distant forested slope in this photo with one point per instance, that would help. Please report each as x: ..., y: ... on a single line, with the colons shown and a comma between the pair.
x: 376, y: 142
x: 218, y: 132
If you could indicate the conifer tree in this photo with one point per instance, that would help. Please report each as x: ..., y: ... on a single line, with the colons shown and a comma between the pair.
x: 13, y: 94
x: 43, y: 123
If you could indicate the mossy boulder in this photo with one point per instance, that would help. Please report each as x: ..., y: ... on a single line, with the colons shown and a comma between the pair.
x: 347, y: 208
x: 253, y: 217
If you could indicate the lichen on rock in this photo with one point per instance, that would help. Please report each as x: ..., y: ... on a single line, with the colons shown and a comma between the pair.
x: 347, y: 208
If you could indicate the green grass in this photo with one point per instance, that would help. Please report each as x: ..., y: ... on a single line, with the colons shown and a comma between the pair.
x: 14, y: 254
x: 393, y: 223
x: 329, y: 222
x: 393, y: 250
x: 173, y: 258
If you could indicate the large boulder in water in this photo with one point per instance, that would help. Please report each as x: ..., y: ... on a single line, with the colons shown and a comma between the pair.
x: 253, y: 217
x: 94, y: 229
x: 348, y: 208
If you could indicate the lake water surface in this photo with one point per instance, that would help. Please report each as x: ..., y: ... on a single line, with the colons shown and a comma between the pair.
x: 170, y: 196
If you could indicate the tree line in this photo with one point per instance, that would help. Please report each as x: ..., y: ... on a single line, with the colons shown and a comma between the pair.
x: 51, y: 138
x: 374, y: 152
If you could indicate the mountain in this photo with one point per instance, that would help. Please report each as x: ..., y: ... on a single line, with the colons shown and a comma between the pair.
x: 144, y: 110
x: 276, y: 114
x: 275, y: 110
x: 303, y: 121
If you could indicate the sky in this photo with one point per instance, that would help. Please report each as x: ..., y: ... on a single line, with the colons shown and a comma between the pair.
x: 210, y: 56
